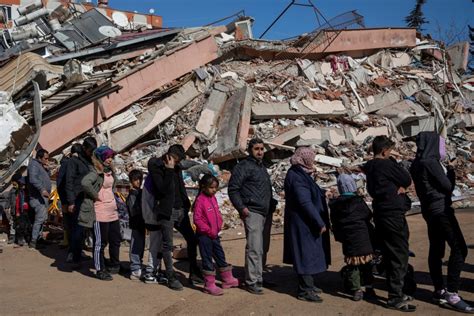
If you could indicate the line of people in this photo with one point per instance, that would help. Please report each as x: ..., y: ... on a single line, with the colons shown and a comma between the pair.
x: 160, y: 203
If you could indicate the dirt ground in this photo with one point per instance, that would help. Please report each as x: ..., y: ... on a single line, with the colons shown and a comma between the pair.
x: 33, y: 282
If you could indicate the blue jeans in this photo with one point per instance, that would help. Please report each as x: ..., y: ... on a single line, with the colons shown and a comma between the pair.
x: 40, y: 206
x: 211, y: 248
x: 137, y: 247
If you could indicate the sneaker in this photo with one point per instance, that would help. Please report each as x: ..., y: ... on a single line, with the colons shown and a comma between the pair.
x: 455, y: 302
x: 173, y: 283
x: 310, y: 297
x: 104, y: 276
x: 254, y: 289
x: 358, y: 295
x: 35, y: 245
x: 69, y: 258
x: 400, y: 304
x: 195, y: 279
x: 136, y: 275
x: 21, y: 242
x: 113, y: 270
x: 161, y: 278
x: 11, y: 240
x: 439, y: 297
x: 149, y: 278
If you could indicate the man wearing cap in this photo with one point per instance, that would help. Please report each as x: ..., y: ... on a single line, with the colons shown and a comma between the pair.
x: 250, y: 191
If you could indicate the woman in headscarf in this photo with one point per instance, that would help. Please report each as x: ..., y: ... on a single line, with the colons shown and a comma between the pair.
x: 306, y: 240
x: 99, y: 211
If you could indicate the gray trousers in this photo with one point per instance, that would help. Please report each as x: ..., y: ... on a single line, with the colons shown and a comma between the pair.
x: 161, y: 241
x: 254, y: 249
x: 41, y: 214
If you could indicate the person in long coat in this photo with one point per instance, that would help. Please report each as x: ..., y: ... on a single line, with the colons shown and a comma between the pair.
x: 306, y: 237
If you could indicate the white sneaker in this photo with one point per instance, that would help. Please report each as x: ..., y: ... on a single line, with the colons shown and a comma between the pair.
x: 136, y: 275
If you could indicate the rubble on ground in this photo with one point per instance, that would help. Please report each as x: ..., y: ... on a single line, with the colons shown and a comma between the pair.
x: 140, y: 88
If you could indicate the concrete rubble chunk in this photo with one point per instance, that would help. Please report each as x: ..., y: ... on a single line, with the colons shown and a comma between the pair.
x: 332, y: 161
x: 459, y: 54
x: 308, y: 108
x: 209, y: 116
x: 153, y: 116
x: 234, y: 126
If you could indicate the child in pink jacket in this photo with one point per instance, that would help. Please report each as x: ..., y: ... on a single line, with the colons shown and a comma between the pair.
x: 208, y: 221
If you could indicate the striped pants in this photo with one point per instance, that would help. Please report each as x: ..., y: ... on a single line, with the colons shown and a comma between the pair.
x: 106, y: 233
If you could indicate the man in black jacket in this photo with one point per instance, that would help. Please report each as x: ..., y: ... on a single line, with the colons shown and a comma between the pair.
x: 77, y: 167
x: 387, y: 182
x: 170, y: 209
x: 250, y: 191
x: 434, y: 186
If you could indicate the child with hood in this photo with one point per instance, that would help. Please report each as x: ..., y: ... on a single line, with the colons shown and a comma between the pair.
x: 350, y: 219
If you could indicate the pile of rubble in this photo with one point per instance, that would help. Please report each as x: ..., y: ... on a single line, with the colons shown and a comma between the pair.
x: 141, y: 88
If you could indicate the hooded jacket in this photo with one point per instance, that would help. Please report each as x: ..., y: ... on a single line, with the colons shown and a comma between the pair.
x: 76, y: 169
x: 434, y: 186
x: 159, y: 192
x: 206, y: 216
x: 250, y: 187
x: 384, y: 178
x: 350, y: 219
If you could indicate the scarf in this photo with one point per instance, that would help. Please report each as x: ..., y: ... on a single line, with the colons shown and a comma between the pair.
x: 304, y: 157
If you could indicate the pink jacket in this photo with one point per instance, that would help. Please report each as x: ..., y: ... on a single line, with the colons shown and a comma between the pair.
x: 207, y: 217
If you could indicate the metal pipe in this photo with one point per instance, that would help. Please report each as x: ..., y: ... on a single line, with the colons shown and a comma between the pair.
x: 23, y: 33
x: 276, y: 20
x: 31, y: 16
x: 30, y: 7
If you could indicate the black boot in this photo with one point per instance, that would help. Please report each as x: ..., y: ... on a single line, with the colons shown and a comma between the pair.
x: 195, y: 275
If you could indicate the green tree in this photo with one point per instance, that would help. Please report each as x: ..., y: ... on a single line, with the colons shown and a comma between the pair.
x: 416, y: 18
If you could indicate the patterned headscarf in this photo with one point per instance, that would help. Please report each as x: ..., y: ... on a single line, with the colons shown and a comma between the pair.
x: 304, y: 157
x: 103, y: 153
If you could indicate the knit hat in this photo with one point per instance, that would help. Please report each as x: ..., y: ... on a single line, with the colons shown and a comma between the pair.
x: 304, y: 157
x: 103, y: 153
x: 346, y: 184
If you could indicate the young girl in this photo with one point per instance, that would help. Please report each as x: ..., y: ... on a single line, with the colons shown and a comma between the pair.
x: 100, y: 209
x: 350, y: 217
x: 208, y: 221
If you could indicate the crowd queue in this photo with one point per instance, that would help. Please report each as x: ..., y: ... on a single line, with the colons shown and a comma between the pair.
x: 159, y: 203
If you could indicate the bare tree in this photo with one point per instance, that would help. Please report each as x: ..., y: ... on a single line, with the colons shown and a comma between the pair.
x: 451, y: 33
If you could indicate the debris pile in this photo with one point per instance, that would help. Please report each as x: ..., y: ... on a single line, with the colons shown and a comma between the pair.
x: 140, y: 88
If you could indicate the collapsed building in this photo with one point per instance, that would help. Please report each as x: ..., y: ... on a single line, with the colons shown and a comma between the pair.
x: 69, y: 70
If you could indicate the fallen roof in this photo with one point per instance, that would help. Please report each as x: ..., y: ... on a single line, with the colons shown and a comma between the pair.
x: 19, y: 72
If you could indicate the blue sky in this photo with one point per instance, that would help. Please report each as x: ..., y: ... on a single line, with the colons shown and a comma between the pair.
x: 377, y: 13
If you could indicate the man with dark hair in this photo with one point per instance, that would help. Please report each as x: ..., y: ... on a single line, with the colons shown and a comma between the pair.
x: 165, y: 204
x: 77, y: 167
x: 39, y: 188
x: 387, y: 182
x: 434, y: 184
x: 250, y: 191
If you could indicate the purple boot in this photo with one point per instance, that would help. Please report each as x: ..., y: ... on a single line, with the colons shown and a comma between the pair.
x: 210, y: 286
x: 228, y: 279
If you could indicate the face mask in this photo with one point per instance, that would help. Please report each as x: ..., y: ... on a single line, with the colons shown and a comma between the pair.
x: 442, y: 148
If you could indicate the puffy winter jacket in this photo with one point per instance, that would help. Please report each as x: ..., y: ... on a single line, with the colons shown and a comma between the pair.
x: 76, y: 169
x: 207, y: 217
x: 434, y: 186
x: 250, y: 187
